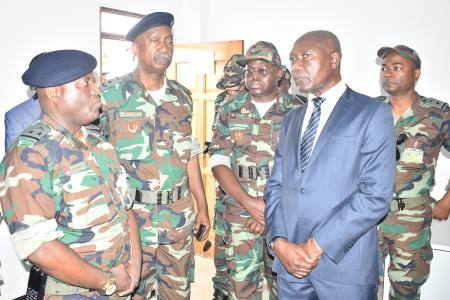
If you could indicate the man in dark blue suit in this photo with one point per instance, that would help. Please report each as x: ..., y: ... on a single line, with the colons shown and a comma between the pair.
x: 20, y: 117
x: 332, y: 182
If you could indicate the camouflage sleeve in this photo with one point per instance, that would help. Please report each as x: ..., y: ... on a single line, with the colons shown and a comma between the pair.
x: 26, y: 199
x: 445, y: 130
x: 221, y: 142
x: 124, y: 188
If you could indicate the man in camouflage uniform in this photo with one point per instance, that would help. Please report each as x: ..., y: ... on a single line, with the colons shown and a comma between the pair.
x: 285, y: 82
x: 63, y: 191
x: 242, y: 153
x: 423, y: 127
x: 148, y: 119
x: 232, y: 82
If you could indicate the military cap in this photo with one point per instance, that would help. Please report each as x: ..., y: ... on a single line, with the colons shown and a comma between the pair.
x: 401, y: 50
x: 286, y: 73
x: 264, y: 51
x: 58, y: 67
x: 149, y: 21
x: 233, y: 74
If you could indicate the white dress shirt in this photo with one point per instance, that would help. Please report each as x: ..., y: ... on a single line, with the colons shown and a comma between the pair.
x: 331, y: 98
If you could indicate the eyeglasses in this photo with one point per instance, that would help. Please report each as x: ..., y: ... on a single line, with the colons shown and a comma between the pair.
x: 262, y: 72
x: 400, y: 140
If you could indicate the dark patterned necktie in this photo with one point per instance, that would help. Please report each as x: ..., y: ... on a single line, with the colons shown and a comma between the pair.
x: 307, y: 142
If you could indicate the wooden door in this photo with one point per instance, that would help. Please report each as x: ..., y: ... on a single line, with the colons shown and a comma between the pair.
x: 198, y: 67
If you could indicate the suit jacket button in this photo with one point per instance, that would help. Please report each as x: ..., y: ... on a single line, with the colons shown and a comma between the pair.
x: 302, y: 190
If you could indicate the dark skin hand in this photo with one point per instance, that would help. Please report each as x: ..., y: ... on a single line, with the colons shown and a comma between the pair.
x: 293, y: 257
x: 298, y: 259
x: 441, y: 209
x: 230, y: 184
x: 254, y: 226
x: 133, y: 266
x: 196, y: 187
x: 59, y: 261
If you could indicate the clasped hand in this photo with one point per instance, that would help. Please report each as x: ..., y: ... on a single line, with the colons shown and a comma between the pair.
x: 298, y: 259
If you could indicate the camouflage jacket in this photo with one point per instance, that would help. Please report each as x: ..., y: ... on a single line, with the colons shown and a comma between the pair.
x: 221, y: 99
x: 55, y: 185
x: 427, y: 127
x: 247, y: 138
x: 153, y: 138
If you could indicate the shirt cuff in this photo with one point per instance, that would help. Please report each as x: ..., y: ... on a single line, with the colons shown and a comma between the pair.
x: 218, y: 159
x: 195, y: 147
x: 29, y: 240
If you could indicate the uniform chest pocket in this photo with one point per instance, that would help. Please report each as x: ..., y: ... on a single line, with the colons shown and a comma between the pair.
x: 413, y: 153
x: 241, y: 131
x: 173, y: 129
x: 134, y: 135
x: 85, y: 202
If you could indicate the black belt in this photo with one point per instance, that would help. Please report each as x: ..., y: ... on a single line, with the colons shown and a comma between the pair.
x: 252, y: 172
x: 160, y: 197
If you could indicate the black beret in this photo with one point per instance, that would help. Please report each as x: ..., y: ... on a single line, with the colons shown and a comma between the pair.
x: 58, y: 67
x: 151, y: 20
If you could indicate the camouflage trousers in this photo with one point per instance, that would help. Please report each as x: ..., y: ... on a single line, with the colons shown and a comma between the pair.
x: 221, y: 278
x: 247, y: 258
x: 405, y: 236
x: 166, y: 233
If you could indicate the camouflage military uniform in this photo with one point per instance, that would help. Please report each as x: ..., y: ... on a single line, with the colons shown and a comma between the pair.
x: 221, y: 279
x: 153, y: 140
x: 55, y: 185
x: 232, y: 80
x: 250, y: 141
x: 405, y: 234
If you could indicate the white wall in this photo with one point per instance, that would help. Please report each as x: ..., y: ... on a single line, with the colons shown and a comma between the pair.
x: 362, y: 27
x: 31, y: 27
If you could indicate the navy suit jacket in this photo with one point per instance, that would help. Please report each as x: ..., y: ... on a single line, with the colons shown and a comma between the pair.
x: 343, y: 193
x: 20, y: 117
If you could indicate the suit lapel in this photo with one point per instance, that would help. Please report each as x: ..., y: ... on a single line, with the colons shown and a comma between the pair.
x: 296, y: 132
x: 338, y: 115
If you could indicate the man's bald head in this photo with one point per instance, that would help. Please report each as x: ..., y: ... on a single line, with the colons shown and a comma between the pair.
x: 316, y: 60
x: 324, y: 39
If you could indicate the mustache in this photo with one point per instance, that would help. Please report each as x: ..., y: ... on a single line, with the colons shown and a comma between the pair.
x: 162, y: 56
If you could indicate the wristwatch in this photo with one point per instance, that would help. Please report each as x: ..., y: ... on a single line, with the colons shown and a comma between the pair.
x: 274, y: 239
x: 110, y: 286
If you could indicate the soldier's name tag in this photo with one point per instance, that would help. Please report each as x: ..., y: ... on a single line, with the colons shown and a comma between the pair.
x: 131, y: 114
x: 412, y: 155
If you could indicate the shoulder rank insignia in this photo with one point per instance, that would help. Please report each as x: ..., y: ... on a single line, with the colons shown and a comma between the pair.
x: 36, y: 132
x: 437, y: 104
